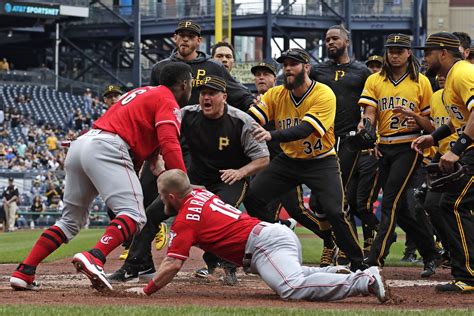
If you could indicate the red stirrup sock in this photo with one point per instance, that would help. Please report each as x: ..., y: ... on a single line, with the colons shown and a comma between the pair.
x: 119, y: 230
x: 49, y: 241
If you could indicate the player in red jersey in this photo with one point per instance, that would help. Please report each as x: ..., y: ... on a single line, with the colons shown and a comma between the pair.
x: 271, y: 250
x: 141, y: 124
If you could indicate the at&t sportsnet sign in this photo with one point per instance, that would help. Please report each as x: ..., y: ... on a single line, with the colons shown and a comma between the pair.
x: 28, y: 9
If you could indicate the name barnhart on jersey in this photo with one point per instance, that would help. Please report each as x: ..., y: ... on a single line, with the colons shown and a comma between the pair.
x: 196, y: 204
x: 389, y: 103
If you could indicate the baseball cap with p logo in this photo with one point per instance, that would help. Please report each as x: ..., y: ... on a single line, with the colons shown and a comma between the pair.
x: 398, y: 40
x: 264, y: 66
x: 215, y: 83
x: 297, y: 54
x: 189, y: 26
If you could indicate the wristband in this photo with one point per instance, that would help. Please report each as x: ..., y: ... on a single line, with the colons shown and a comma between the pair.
x: 441, y: 132
x: 461, y: 144
x: 150, y: 288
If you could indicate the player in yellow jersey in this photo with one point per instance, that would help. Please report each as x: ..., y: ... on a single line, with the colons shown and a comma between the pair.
x: 390, y: 98
x: 442, y: 57
x: 304, y: 112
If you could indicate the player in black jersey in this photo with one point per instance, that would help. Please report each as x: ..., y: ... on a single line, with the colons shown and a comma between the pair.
x: 346, y: 78
x: 223, y: 156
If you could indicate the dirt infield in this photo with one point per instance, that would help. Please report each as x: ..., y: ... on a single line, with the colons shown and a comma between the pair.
x: 62, y: 285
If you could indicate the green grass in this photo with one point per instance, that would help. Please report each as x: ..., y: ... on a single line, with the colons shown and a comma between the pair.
x: 203, y: 310
x: 15, y: 246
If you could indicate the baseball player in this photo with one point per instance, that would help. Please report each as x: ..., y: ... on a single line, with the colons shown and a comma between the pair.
x: 304, y: 112
x: 111, y: 95
x: 390, y: 98
x: 265, y: 78
x: 10, y: 197
x: 374, y: 63
x: 470, y: 57
x: 464, y: 43
x: 346, y: 78
x: 442, y: 57
x: 271, y: 250
x: 143, y: 123
x: 224, y: 155
x: 225, y: 54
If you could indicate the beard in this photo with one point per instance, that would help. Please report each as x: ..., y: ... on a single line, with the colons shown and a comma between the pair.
x: 170, y: 210
x: 338, y: 53
x: 433, y: 69
x: 298, y: 81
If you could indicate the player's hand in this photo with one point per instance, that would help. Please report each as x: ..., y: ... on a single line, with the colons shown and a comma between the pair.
x: 446, y: 162
x: 157, y: 165
x: 136, y: 290
x: 260, y: 134
x: 231, y: 176
x: 422, y: 142
x: 403, y: 110
x: 412, y: 124
x: 376, y: 152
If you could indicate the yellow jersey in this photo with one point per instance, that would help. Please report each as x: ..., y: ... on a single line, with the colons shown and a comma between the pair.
x: 317, y: 107
x: 458, y: 95
x: 441, y: 117
x: 384, y: 94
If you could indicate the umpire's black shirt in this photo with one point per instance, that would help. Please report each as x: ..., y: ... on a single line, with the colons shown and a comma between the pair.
x: 202, y: 66
x: 347, y: 82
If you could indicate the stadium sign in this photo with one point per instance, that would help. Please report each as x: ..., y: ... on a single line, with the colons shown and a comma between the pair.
x: 28, y: 9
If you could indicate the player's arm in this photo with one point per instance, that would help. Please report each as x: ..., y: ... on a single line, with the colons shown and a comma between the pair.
x: 426, y: 141
x: 303, y: 130
x: 237, y: 94
x: 168, y: 140
x: 230, y: 176
x: 168, y: 269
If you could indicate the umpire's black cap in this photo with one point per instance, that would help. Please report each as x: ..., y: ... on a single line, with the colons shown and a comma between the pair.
x: 215, y: 83
x: 264, y: 66
x: 190, y: 26
x: 441, y: 40
x: 112, y: 89
x: 398, y: 40
x: 297, y: 54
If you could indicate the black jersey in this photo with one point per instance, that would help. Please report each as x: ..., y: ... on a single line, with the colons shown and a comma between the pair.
x: 347, y: 82
x: 203, y: 66
x: 223, y: 143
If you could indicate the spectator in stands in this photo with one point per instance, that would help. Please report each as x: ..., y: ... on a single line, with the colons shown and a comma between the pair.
x: 51, y: 193
x: 87, y: 100
x: 4, y: 65
x: 3, y: 162
x: 37, y: 207
x: 7, y: 116
x: 21, y: 148
x: 31, y: 136
x: 36, y: 188
x: 9, y: 197
x: 87, y: 121
x: 3, y: 131
x: 11, y: 153
x: 78, y: 120
x: 52, y: 142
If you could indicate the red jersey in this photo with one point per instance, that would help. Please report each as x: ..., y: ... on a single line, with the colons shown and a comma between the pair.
x: 137, y: 116
x: 206, y: 221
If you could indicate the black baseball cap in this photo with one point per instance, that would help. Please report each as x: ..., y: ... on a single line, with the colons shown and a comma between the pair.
x: 374, y: 58
x: 265, y: 66
x: 215, y: 83
x: 190, y: 26
x: 112, y: 89
x: 398, y: 40
x: 441, y: 40
x: 10, y: 179
x: 297, y: 54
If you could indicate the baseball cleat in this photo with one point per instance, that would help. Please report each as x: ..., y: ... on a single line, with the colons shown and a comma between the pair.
x: 455, y: 287
x: 377, y: 286
x: 130, y: 275
x: 92, y: 267
x: 429, y: 269
x: 327, y: 257
x: 162, y: 237
x: 23, y: 278
x: 201, y: 273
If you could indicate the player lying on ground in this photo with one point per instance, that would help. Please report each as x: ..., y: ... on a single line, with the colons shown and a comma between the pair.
x: 271, y: 250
